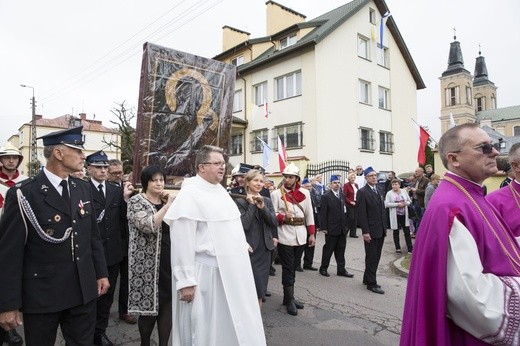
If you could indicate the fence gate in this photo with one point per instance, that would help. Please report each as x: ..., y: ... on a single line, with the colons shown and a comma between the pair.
x: 328, y: 168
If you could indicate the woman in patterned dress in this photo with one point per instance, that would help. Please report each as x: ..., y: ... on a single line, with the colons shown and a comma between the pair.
x: 149, y: 272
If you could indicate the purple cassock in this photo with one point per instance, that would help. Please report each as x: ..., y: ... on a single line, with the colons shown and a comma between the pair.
x: 507, y: 201
x: 425, y: 320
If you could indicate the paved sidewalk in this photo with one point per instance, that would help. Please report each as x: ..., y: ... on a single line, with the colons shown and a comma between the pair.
x: 338, y: 311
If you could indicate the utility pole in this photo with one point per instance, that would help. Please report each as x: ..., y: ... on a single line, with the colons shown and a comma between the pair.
x: 33, y: 153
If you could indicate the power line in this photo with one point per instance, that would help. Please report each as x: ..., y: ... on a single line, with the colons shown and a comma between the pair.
x: 131, y: 50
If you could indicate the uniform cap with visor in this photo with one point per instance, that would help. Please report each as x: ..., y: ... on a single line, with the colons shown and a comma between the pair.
x: 70, y: 137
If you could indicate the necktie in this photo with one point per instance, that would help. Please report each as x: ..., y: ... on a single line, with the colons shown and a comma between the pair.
x: 375, y: 190
x: 100, y: 188
x: 65, y: 191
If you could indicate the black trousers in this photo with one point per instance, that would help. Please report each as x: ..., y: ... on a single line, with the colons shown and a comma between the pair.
x: 123, y: 286
x: 77, y: 326
x: 104, y: 302
x: 308, y: 251
x: 372, y: 257
x: 334, y: 244
x: 406, y: 230
x: 289, y: 257
x: 352, y: 221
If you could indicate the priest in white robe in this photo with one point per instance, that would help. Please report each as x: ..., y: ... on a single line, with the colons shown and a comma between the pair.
x: 216, y: 297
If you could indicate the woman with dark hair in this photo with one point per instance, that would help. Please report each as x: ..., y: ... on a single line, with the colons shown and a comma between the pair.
x: 149, y: 272
x: 397, y: 202
x: 260, y: 226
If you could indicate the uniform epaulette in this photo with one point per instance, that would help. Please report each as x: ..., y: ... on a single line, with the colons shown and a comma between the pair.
x: 78, y: 180
x: 25, y: 182
x: 112, y: 183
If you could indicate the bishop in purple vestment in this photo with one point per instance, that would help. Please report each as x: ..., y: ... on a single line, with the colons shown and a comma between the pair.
x: 464, y: 281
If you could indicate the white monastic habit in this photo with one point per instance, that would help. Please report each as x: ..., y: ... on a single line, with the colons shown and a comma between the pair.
x: 209, y: 251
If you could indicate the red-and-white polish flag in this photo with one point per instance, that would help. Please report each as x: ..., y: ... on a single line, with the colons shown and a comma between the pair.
x: 423, y: 140
x: 282, y: 154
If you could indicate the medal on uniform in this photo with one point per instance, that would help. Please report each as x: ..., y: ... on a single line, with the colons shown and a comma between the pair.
x: 57, y: 218
x: 81, y: 205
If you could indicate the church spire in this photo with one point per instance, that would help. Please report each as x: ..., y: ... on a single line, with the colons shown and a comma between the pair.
x: 455, y: 59
x: 481, y: 73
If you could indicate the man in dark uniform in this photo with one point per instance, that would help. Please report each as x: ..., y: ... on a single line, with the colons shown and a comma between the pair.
x: 333, y: 222
x: 372, y: 220
x: 53, y: 267
x: 238, y: 175
x: 110, y: 208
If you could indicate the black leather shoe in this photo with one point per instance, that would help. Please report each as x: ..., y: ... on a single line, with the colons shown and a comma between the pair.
x: 13, y: 338
x: 291, y: 309
x: 299, y: 269
x: 346, y: 274
x: 272, y: 271
x: 324, y: 272
x: 310, y: 268
x: 376, y: 285
x: 267, y: 293
x: 102, y: 340
x: 354, y: 236
x: 376, y: 289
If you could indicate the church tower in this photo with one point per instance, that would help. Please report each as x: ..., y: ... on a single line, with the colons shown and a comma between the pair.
x: 456, y: 90
x: 484, y: 90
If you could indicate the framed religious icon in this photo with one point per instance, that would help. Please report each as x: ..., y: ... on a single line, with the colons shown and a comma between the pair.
x: 185, y: 102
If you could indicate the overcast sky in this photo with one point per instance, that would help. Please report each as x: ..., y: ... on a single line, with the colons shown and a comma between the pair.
x: 84, y: 56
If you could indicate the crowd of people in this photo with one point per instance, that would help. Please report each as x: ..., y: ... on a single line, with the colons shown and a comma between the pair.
x: 204, y: 272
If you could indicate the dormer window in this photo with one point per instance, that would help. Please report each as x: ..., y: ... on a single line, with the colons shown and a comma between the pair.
x: 287, y: 41
x: 239, y: 60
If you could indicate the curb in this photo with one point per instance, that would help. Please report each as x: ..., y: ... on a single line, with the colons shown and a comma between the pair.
x: 398, y: 268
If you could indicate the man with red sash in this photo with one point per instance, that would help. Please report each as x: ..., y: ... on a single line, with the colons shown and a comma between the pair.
x: 507, y: 198
x: 293, y: 208
x: 11, y: 158
x: 464, y: 281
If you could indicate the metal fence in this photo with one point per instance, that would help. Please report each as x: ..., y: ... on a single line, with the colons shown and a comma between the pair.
x: 328, y: 168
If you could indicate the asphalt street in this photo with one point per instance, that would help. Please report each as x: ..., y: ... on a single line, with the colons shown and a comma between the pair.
x: 338, y: 310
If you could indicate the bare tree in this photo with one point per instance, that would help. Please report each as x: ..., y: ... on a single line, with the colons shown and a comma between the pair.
x: 125, y: 129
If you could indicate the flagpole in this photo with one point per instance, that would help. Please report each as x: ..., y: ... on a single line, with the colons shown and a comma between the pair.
x: 426, y: 131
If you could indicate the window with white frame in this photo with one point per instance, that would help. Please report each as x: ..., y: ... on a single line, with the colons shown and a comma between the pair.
x: 289, y: 85
x: 493, y: 102
x: 382, y: 56
x: 290, y: 134
x: 363, y: 47
x: 256, y: 145
x: 452, y: 96
x: 260, y: 93
x: 386, y: 142
x: 384, y: 97
x: 364, y: 91
x: 469, y: 96
x: 239, y: 60
x: 236, y: 144
x: 288, y: 41
x: 372, y: 16
x: 237, y: 101
x: 481, y: 103
x: 516, y: 131
x: 366, y: 137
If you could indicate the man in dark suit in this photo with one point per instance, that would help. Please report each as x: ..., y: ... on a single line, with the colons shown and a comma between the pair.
x: 52, y: 257
x: 372, y: 219
x: 333, y: 222
x: 110, y: 209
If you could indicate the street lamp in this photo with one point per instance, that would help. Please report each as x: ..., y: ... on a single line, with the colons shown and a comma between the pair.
x: 33, y: 154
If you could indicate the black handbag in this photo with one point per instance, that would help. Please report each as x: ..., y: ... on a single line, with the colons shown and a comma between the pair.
x: 411, y: 212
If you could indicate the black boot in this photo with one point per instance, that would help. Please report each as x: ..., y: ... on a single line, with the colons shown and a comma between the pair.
x: 288, y: 300
x: 13, y: 338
